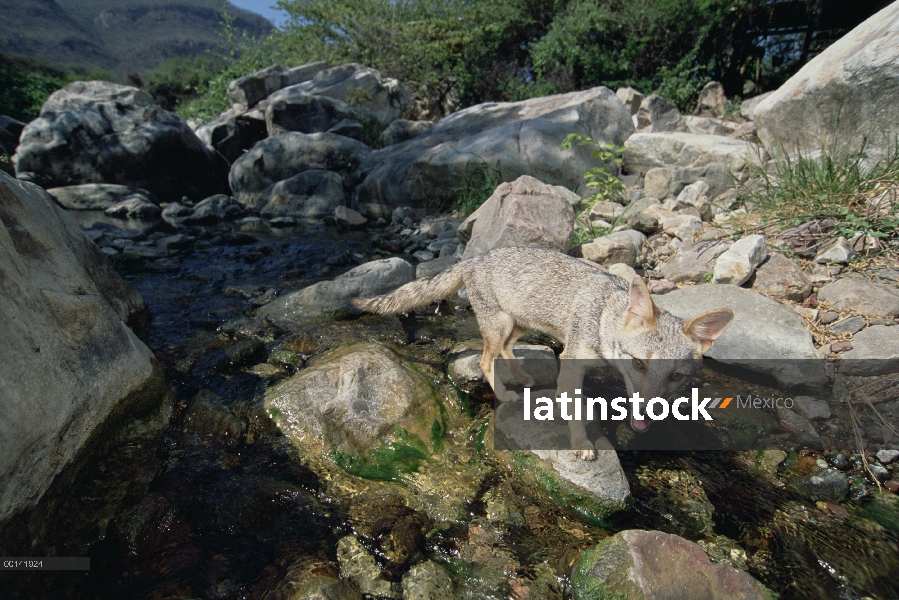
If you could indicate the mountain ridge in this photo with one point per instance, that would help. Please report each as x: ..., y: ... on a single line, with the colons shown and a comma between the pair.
x: 121, y: 36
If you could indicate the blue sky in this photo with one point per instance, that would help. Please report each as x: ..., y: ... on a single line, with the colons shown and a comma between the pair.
x: 264, y: 8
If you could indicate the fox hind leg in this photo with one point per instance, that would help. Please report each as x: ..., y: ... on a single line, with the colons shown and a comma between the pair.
x: 514, y: 365
x: 495, y: 331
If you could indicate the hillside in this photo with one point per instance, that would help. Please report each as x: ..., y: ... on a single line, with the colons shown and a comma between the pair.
x: 117, y: 35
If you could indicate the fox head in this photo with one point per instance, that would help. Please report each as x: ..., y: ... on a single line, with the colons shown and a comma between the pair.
x: 656, y: 352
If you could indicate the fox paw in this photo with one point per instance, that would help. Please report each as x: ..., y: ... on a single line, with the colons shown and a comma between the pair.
x: 508, y: 396
x: 580, y: 450
x: 527, y: 381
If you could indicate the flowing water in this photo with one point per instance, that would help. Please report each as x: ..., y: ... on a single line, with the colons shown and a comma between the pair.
x: 186, y: 515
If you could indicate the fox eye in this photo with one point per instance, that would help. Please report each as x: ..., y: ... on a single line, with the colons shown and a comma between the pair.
x: 676, y: 376
x: 638, y: 364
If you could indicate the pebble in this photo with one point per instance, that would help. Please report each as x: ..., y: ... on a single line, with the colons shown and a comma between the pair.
x: 829, y: 317
x: 838, y: 347
x: 892, y: 485
x: 839, y: 461
x: 849, y: 325
x: 879, y: 471
x: 822, y: 464
x: 887, y: 456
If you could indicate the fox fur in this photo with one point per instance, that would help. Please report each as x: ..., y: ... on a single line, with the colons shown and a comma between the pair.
x: 596, y: 315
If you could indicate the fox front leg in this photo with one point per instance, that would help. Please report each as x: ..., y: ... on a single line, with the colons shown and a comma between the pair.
x: 571, y: 377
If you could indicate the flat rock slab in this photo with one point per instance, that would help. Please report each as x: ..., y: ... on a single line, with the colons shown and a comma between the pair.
x: 371, y: 279
x: 765, y: 336
x: 97, y: 196
x: 648, y: 150
x: 875, y: 299
x: 875, y: 351
x: 537, y: 361
x: 648, y: 565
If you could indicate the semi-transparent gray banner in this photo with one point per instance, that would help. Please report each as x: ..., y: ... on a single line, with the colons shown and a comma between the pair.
x: 698, y: 405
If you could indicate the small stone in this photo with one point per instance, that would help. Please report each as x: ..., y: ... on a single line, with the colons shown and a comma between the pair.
x: 282, y: 222
x: 839, y: 461
x: 838, y: 252
x: 828, y: 317
x: 828, y: 486
x: 423, y: 255
x: 892, y: 485
x: 849, y: 325
x: 738, y: 263
x: 780, y: 278
x: 887, y: 456
x: 109, y: 251
x: 347, y: 217
x: 879, y: 471
x: 821, y: 463
x: 811, y: 408
x: 838, y: 347
x: 624, y: 271
x: 660, y: 286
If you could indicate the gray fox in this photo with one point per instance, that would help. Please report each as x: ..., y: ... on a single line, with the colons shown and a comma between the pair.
x: 596, y: 315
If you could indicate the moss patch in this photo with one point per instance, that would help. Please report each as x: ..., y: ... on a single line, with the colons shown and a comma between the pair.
x: 391, y: 462
x: 584, y: 585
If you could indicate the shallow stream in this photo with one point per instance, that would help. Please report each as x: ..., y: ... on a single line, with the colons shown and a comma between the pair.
x: 186, y: 514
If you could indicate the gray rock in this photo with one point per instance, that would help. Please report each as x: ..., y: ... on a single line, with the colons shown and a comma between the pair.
x: 97, y: 196
x: 516, y: 138
x: 619, y: 247
x: 136, y: 207
x: 310, y: 194
x: 233, y: 136
x: 693, y: 262
x: 796, y: 423
x: 347, y: 217
x: 712, y: 100
x: 765, y: 336
x: 780, y: 278
x: 624, y: 271
x: 526, y: 212
x: 423, y: 255
x: 79, y: 94
x: 465, y: 372
x: 693, y: 195
x: 875, y: 299
x: 108, y: 142
x: 207, y: 414
x: 839, y: 252
x: 177, y: 241
x: 65, y: 347
x: 214, y: 209
x: 349, y: 128
x: 359, y: 566
x: 352, y: 400
x: 402, y: 130
x: 176, y: 210
x: 826, y: 486
x: 887, y: 456
x: 607, y: 211
x: 683, y: 227
x: 844, y: 93
x: 283, y: 156
x: 748, y: 106
x: 710, y: 126
x: 631, y: 98
x: 811, y: 408
x: 645, y: 565
x: 369, y: 279
x: 648, y: 150
x: 660, y: 286
x: 879, y: 472
x: 428, y: 581
x: 738, y: 263
x: 875, y: 351
x: 660, y: 114
x: 306, y: 113
x: 849, y: 325
x: 638, y: 216
x: 603, y: 478
x: 363, y: 88
x: 250, y: 89
x: 430, y: 268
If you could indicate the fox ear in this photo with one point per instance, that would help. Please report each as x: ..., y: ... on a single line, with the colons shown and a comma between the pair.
x: 706, y: 328
x: 641, y: 312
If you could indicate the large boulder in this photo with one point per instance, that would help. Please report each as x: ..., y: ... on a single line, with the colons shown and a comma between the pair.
x: 363, y: 88
x: 526, y: 212
x: 511, y: 138
x: 250, y: 89
x: 71, y: 370
x: 311, y: 194
x: 648, y: 150
x: 127, y: 144
x: 79, y: 94
x: 97, y: 196
x: 231, y: 137
x: 765, y: 336
x: 847, y: 93
x: 352, y: 402
x: 282, y: 156
x: 306, y: 113
x: 644, y: 565
x: 370, y: 279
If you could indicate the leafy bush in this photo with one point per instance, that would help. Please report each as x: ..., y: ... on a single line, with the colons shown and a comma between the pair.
x: 25, y: 85
x: 606, y: 186
x: 480, y: 181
